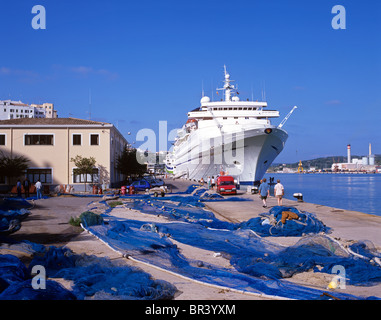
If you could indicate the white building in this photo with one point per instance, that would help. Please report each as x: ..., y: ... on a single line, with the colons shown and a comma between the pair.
x: 16, y: 110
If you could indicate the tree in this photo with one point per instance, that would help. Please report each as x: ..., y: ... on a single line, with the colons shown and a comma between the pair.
x: 12, y: 166
x: 84, y: 166
x: 128, y: 164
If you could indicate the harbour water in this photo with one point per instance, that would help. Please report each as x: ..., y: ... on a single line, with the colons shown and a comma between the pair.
x: 357, y: 192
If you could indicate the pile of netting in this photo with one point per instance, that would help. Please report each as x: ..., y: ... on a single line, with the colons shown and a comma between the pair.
x: 285, y: 222
x: 192, y: 209
x: 91, y: 277
x: 12, y: 212
x: 258, y: 266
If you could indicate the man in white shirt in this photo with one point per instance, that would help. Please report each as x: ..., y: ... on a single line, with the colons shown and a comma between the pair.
x: 38, y: 186
x: 279, y: 192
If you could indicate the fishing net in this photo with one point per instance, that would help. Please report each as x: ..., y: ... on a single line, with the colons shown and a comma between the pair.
x: 258, y: 266
x: 92, y: 278
x: 24, y: 291
x: 16, y: 283
x: 12, y: 212
x: 192, y: 209
x: 14, y: 204
x: 272, y: 224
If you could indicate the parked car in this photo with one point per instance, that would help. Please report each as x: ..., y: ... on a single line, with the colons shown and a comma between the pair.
x: 155, y: 182
x: 158, y: 182
x: 226, y: 185
x: 140, y: 185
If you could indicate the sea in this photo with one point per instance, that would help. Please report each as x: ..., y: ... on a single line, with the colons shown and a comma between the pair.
x: 357, y: 192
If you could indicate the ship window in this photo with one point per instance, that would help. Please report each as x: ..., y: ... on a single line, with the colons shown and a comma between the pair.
x: 230, y: 108
x: 224, y: 118
x: 246, y: 117
x: 235, y: 109
x: 244, y: 108
x: 235, y: 117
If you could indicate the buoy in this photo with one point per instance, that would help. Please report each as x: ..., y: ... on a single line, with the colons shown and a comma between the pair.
x: 332, y: 285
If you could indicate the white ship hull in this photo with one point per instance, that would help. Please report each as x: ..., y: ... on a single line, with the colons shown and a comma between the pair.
x: 246, y: 159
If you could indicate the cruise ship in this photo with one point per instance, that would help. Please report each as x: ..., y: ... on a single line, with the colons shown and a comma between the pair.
x: 229, y: 136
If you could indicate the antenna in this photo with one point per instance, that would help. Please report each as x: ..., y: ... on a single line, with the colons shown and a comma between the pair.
x: 211, y: 82
x: 264, y: 88
x: 89, y: 104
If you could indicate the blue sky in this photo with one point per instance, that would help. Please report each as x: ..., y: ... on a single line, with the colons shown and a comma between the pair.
x: 146, y: 61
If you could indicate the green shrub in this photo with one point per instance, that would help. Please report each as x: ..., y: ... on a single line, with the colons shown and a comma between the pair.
x: 89, y: 218
x: 113, y: 204
x: 76, y: 222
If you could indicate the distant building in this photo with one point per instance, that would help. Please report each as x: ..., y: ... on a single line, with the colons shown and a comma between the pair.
x: 47, y: 109
x: 50, y: 143
x: 366, y: 163
x: 16, y: 110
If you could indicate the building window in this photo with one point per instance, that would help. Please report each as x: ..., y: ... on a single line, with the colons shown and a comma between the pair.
x: 94, y: 139
x: 38, y: 139
x: 77, y: 139
x: 89, y: 178
x: 44, y: 175
x: 2, y: 139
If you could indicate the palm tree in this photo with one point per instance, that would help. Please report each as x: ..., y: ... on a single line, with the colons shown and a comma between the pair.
x: 84, y: 166
x: 12, y: 166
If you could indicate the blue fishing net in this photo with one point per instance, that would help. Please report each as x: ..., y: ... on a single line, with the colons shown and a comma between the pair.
x: 12, y: 212
x: 260, y: 266
x: 192, y: 209
x: 16, y: 283
x: 102, y: 277
x: 152, y: 244
x: 24, y: 291
x: 270, y: 224
x: 92, y: 277
x: 14, y: 204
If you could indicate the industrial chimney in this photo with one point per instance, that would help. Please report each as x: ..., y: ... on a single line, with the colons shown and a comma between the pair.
x: 349, y: 153
x: 371, y: 156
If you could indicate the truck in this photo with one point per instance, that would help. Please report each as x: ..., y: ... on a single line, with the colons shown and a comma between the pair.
x: 226, y: 185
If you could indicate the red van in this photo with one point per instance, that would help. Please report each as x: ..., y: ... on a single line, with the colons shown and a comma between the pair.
x: 226, y: 185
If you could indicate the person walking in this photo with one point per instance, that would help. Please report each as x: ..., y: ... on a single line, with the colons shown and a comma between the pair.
x: 264, y: 192
x: 213, y: 182
x: 26, y: 184
x: 18, y: 187
x: 208, y: 181
x: 279, y: 192
x: 38, y: 186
